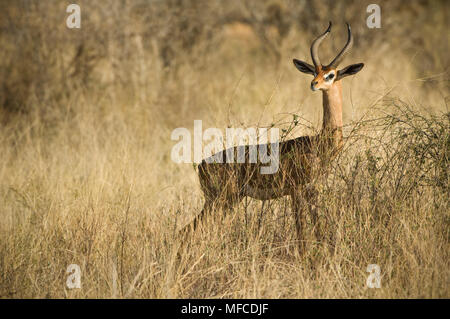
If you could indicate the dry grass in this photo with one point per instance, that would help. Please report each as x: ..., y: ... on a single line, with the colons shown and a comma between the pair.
x: 86, y: 175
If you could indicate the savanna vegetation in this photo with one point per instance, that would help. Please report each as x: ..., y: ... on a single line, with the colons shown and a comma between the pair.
x: 86, y: 175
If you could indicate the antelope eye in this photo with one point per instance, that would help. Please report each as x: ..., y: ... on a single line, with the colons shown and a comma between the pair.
x: 329, y: 77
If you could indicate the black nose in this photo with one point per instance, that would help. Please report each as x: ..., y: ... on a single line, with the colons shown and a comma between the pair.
x: 314, y: 83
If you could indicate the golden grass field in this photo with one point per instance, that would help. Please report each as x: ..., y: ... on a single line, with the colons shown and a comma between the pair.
x: 86, y: 176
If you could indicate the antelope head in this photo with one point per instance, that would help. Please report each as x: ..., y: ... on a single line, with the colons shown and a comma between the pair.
x: 326, y: 75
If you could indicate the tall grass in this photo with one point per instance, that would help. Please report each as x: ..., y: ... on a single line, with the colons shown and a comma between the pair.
x: 86, y: 176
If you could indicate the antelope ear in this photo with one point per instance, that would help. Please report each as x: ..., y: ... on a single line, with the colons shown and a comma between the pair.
x: 304, y: 67
x: 349, y: 70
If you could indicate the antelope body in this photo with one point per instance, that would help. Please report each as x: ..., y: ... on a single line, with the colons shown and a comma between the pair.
x: 301, y: 159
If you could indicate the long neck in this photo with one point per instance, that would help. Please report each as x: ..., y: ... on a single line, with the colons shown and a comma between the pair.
x: 332, y: 114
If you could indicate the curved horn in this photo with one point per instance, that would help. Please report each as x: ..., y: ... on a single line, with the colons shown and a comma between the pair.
x: 315, y: 47
x: 338, y: 59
